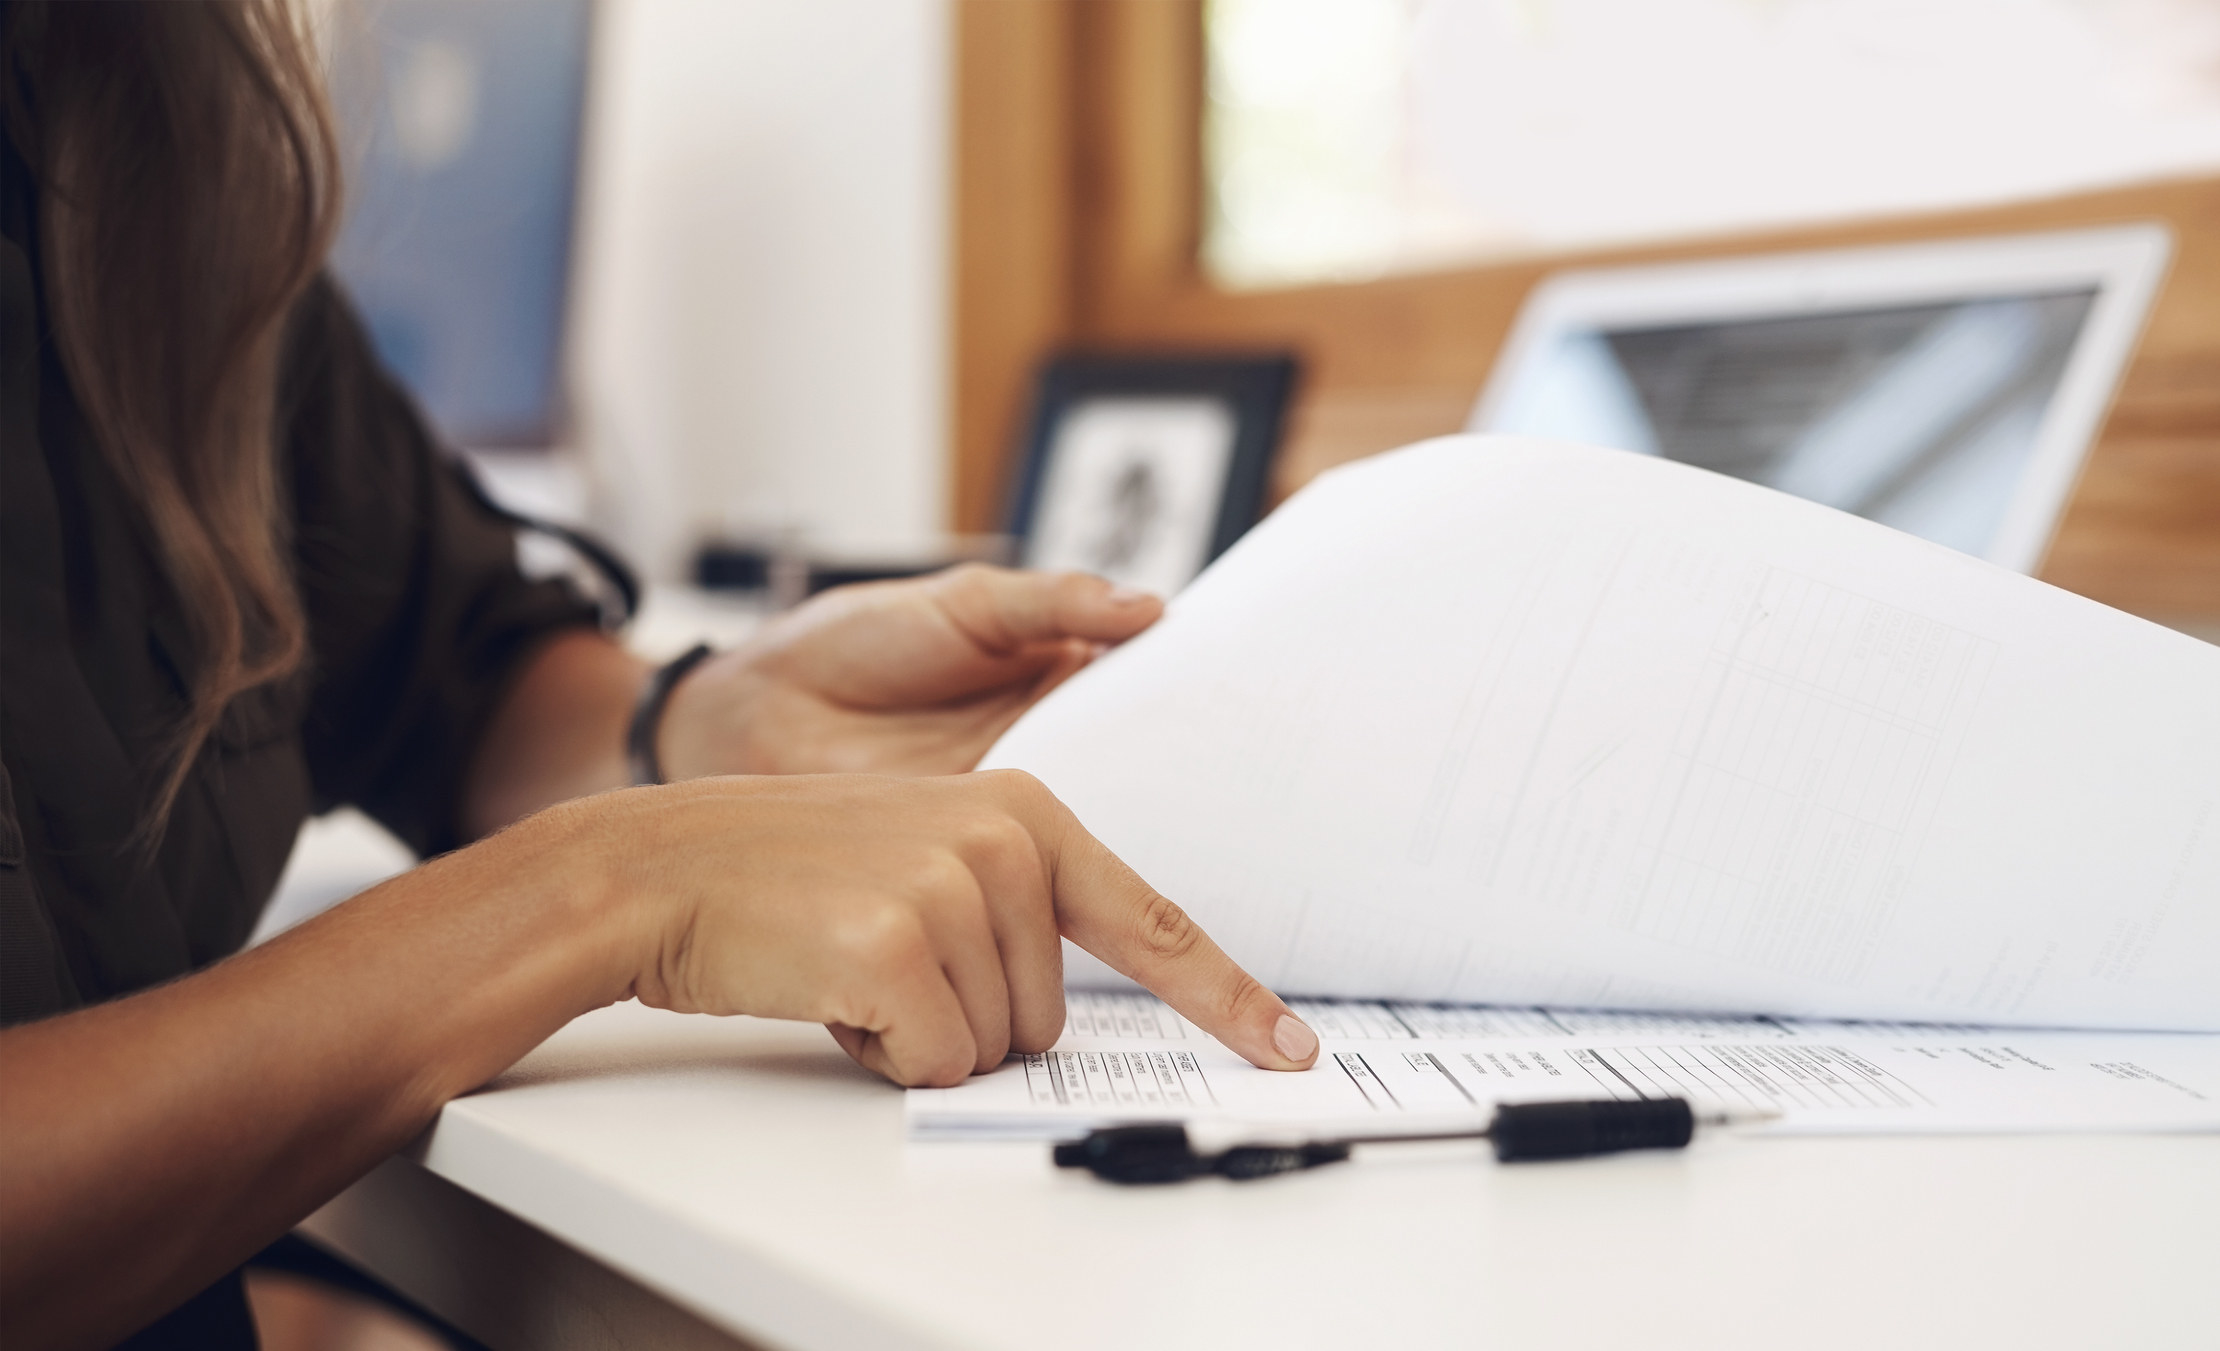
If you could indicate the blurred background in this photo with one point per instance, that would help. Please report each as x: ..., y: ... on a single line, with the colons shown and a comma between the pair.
x: 782, y: 273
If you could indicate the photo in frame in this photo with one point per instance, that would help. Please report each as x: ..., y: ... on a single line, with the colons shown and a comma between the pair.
x: 1144, y: 468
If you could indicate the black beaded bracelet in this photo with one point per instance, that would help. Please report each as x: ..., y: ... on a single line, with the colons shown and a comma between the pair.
x: 647, y: 717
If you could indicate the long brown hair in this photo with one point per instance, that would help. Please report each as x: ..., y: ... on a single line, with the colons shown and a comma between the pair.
x: 187, y: 187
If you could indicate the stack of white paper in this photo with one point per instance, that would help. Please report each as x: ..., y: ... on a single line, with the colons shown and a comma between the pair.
x: 1501, y: 721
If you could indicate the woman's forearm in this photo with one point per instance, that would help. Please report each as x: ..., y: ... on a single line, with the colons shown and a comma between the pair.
x: 557, y: 735
x: 148, y: 1145
x: 153, y: 1143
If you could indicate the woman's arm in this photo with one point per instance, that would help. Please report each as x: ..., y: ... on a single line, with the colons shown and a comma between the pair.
x: 912, y: 677
x: 558, y: 734
x: 155, y: 1142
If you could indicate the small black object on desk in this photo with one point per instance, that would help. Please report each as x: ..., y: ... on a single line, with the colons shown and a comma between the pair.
x: 1520, y: 1132
x: 1163, y: 1154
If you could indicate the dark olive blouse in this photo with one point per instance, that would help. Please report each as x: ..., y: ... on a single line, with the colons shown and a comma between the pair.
x: 417, y: 618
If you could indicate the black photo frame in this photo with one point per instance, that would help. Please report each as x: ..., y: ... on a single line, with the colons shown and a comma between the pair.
x: 1174, y: 458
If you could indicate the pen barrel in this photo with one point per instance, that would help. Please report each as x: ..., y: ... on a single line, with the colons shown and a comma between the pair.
x: 1571, y: 1130
x: 1135, y: 1154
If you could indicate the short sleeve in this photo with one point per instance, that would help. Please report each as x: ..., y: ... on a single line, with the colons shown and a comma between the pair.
x: 418, y: 617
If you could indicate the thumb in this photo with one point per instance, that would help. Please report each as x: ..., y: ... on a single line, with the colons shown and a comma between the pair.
x: 1002, y: 610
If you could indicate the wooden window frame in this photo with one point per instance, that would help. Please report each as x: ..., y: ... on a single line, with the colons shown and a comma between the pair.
x: 1078, y: 196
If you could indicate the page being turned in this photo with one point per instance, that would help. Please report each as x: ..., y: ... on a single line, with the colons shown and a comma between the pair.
x: 1499, y: 720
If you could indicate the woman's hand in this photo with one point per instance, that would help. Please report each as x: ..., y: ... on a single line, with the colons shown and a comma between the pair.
x: 153, y: 1142
x: 911, y: 677
x: 918, y: 919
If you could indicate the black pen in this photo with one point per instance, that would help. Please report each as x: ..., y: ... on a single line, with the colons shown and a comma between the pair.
x: 1520, y: 1132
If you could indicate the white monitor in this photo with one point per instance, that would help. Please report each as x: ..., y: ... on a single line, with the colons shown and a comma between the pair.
x: 1950, y: 390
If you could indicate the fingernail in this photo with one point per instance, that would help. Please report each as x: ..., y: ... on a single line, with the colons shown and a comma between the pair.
x: 1122, y: 594
x: 1295, y: 1041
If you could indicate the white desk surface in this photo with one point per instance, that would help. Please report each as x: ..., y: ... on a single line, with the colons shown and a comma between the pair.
x: 746, y: 1171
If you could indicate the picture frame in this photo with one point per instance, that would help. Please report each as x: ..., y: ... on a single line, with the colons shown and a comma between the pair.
x: 1144, y: 468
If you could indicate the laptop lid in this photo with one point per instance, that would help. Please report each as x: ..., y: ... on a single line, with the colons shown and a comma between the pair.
x: 1951, y: 390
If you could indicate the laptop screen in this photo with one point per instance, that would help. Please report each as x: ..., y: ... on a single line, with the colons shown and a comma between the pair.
x: 1921, y: 417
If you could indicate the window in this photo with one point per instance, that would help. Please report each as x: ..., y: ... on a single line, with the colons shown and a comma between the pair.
x: 1116, y: 158
x: 1348, y: 139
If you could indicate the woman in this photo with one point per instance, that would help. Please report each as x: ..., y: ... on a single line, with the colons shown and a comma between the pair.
x: 240, y: 585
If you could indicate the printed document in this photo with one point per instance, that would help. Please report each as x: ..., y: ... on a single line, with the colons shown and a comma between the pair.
x: 1127, y: 1058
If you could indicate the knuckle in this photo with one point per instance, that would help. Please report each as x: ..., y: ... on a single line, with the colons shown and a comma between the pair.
x: 1038, y: 1031
x: 947, y: 1069
x: 1014, y: 785
x: 938, y: 878
x: 972, y: 576
x: 1163, y: 929
x: 1003, y: 840
x: 1245, y: 996
x: 1029, y: 1042
x: 885, y: 938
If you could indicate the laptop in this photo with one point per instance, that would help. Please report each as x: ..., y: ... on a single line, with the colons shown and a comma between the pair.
x: 1951, y: 390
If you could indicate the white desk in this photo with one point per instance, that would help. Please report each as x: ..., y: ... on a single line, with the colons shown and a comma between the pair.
x: 746, y: 1171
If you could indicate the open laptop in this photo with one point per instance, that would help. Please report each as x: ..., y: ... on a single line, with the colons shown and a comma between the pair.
x: 1950, y: 390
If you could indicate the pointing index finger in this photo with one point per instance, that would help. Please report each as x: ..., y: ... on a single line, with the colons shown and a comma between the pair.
x: 1105, y: 907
